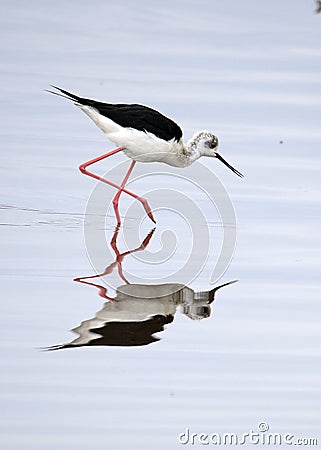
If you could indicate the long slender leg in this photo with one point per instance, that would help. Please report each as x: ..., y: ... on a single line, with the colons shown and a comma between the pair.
x: 83, y: 169
x: 116, y: 198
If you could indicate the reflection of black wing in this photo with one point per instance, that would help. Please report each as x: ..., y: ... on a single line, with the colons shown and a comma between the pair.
x: 140, y: 117
x: 130, y: 334
x: 124, y: 334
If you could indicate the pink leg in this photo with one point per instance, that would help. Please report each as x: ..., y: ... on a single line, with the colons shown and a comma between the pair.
x: 83, y: 169
x: 116, y: 198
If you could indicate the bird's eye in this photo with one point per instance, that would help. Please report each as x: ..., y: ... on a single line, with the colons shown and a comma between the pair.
x: 212, y: 143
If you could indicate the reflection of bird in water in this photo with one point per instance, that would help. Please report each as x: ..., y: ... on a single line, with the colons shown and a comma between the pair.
x: 318, y: 6
x: 138, y: 312
x: 144, y: 135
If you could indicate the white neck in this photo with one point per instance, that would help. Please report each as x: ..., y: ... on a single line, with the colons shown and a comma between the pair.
x: 193, y: 149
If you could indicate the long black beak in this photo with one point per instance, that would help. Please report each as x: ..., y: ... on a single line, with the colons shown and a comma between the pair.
x: 218, y: 156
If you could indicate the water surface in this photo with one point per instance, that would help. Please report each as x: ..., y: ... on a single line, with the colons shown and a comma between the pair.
x: 248, y: 72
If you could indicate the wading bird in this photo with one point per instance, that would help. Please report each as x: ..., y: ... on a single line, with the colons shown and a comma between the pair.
x: 144, y: 135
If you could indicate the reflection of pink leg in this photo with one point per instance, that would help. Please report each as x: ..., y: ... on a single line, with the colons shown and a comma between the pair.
x: 117, y: 263
x: 102, y: 290
x: 120, y: 256
x: 121, y: 188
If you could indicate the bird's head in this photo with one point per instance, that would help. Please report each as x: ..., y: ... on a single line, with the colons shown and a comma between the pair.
x: 206, y: 144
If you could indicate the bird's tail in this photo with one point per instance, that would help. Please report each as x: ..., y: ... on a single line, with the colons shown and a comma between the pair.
x: 65, y: 94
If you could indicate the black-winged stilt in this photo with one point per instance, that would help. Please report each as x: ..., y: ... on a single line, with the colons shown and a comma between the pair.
x: 144, y: 135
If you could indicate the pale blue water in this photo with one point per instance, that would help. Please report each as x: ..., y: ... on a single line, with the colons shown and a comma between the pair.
x: 250, y: 72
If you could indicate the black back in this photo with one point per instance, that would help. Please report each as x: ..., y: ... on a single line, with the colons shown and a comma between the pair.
x: 140, y: 117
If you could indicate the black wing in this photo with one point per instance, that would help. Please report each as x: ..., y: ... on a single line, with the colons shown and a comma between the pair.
x: 140, y: 117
